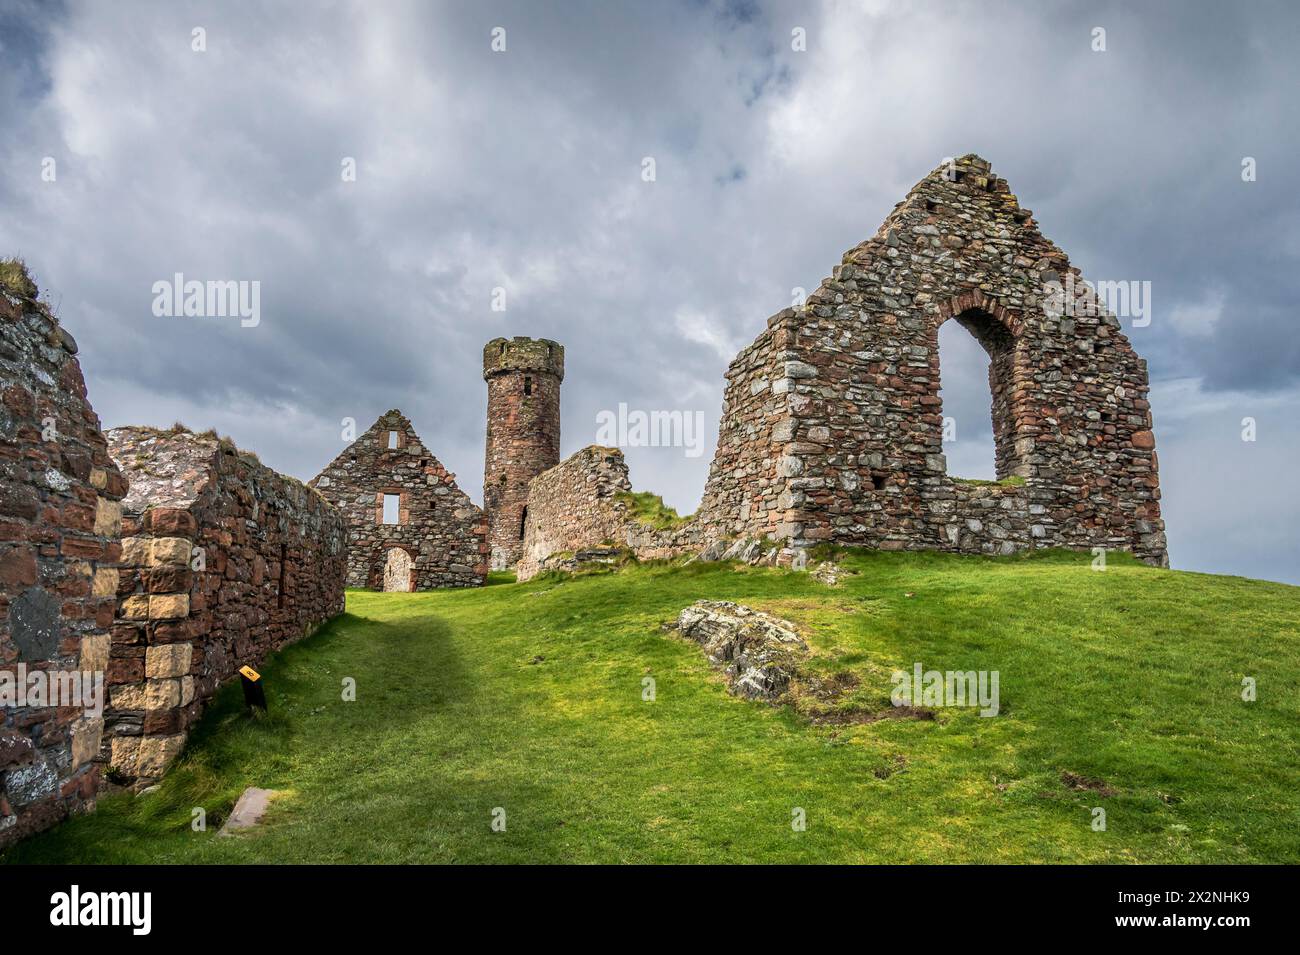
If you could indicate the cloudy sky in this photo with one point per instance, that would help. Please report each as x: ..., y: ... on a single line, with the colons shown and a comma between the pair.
x: 129, y: 156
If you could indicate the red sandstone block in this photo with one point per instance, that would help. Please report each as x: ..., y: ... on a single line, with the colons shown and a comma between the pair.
x: 15, y: 750
x: 169, y: 580
x: 19, y: 401
x: 163, y: 722
x: 170, y: 522
x: 90, y: 548
x: 17, y: 567
x: 126, y: 636
x: 125, y: 669
x: 168, y: 631
x: 105, y: 612
x: 20, y: 501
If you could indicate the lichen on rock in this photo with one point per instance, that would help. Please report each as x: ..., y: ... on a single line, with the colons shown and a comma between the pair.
x: 759, y: 653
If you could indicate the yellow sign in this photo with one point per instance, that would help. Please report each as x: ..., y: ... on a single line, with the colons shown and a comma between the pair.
x: 250, y: 673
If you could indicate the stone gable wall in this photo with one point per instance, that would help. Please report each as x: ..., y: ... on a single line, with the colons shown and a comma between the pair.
x: 746, y: 491
x: 224, y: 561
x: 575, y: 506
x: 60, y: 528
x: 440, y: 528
x: 832, y: 422
x: 523, y: 377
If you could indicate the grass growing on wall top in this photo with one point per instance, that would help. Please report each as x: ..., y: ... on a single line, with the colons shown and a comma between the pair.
x: 528, y: 697
x: 646, y: 507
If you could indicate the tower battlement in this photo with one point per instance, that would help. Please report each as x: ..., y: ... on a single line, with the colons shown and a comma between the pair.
x: 506, y: 355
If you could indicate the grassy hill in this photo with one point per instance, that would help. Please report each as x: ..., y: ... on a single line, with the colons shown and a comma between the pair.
x: 528, y: 697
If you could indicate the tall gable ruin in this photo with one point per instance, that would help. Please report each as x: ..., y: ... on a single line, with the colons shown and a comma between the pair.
x: 409, y: 526
x: 832, y: 421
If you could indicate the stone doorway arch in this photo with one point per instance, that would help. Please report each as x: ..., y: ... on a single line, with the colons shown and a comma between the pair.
x: 399, y: 571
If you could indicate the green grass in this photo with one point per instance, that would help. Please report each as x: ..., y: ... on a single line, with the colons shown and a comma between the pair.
x: 529, y: 697
x: 646, y: 507
x: 1014, y: 480
x: 14, y: 278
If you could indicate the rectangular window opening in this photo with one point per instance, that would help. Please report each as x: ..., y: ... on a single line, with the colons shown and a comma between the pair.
x: 528, y: 386
x: 878, y: 481
x: 392, y: 440
x: 392, y: 509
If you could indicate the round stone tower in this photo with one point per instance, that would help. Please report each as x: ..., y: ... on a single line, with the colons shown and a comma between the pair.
x: 523, y: 376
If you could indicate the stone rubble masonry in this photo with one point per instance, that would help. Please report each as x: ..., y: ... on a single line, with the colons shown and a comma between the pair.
x: 224, y: 561
x: 60, y: 530
x: 440, y: 529
x: 832, y: 422
x: 576, y: 505
x: 523, y: 376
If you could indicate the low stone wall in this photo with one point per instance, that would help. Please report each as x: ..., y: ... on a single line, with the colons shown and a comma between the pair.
x: 575, y: 506
x: 224, y: 561
x: 60, y: 523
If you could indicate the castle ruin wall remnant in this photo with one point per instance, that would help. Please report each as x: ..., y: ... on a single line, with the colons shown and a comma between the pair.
x: 224, y: 561
x: 582, y: 503
x: 60, y: 530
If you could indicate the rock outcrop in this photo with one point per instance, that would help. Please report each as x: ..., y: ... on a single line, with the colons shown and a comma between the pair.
x: 759, y: 653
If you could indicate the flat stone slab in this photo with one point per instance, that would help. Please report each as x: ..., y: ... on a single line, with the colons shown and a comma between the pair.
x: 249, y: 810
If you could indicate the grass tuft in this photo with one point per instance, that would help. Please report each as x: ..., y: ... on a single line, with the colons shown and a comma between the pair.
x: 646, y: 507
x: 16, y: 280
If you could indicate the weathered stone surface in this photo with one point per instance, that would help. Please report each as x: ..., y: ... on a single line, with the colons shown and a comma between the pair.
x: 36, y: 624
x: 523, y: 434
x: 156, y: 753
x: 59, y: 536
x: 87, y: 735
x: 95, y: 649
x: 169, y: 606
x: 759, y: 653
x: 225, y: 562
x: 168, y: 659
x: 249, y: 810
x: 440, y: 539
x: 575, y: 507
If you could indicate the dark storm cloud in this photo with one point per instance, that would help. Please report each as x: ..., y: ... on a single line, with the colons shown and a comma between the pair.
x: 523, y: 170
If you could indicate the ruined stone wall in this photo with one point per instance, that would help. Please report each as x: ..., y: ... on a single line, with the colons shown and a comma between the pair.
x: 746, y: 490
x: 577, y: 505
x: 60, y: 524
x: 224, y: 561
x: 850, y: 389
x: 440, y: 537
x: 523, y: 376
